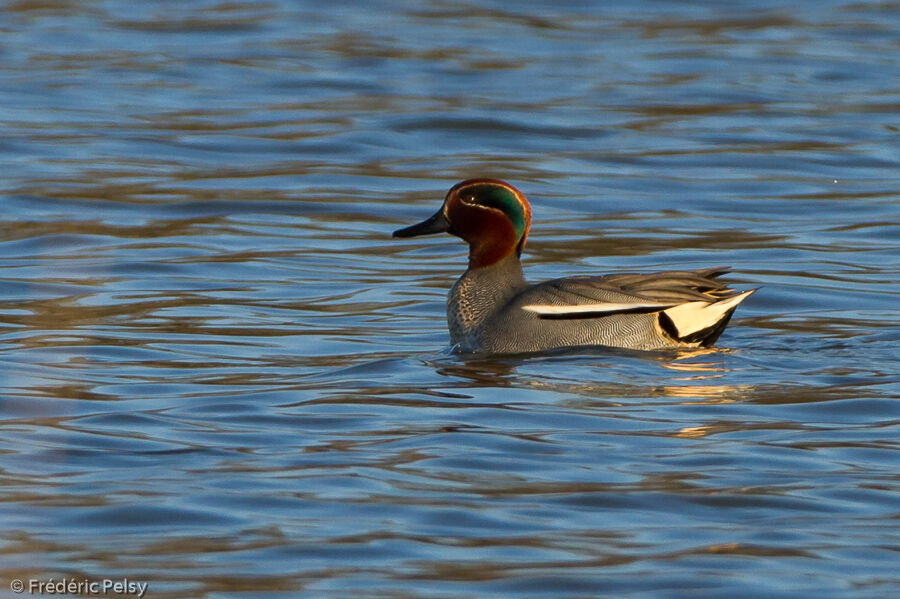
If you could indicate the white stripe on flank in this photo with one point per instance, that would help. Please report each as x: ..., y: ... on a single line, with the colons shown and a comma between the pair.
x: 695, y: 316
x: 593, y: 308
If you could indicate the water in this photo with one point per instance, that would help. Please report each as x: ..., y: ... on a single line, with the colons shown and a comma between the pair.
x: 222, y: 377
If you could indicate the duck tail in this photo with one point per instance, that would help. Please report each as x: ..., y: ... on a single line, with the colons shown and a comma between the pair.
x: 700, y: 322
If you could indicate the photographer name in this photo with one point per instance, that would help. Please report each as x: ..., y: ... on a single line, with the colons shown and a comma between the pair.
x: 71, y: 586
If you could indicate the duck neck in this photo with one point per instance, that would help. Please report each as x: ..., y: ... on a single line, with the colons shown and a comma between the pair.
x: 480, y: 292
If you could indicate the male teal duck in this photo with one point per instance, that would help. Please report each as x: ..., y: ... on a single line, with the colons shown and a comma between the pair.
x: 492, y: 309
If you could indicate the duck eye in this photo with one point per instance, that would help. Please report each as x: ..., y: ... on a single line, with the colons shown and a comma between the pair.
x: 479, y: 200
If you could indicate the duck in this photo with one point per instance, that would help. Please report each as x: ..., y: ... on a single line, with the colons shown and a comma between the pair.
x: 492, y: 309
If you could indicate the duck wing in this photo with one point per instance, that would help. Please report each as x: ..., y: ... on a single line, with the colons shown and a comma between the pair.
x: 692, y: 306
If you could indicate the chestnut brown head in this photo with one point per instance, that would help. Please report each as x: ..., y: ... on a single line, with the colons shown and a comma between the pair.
x: 493, y: 217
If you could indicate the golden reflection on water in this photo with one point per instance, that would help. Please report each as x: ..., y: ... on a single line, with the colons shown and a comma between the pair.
x: 501, y: 372
x: 695, y: 386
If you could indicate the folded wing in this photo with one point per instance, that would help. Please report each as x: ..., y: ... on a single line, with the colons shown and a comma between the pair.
x: 691, y: 306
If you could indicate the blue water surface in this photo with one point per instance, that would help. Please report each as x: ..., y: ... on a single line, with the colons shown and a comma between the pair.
x: 222, y: 377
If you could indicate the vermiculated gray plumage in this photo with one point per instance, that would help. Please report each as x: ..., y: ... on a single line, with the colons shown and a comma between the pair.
x: 485, y: 309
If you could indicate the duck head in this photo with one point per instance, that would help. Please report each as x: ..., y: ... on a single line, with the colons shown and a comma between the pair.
x: 493, y: 217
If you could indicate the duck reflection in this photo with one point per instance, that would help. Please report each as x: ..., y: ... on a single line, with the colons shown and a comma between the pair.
x: 612, y: 381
